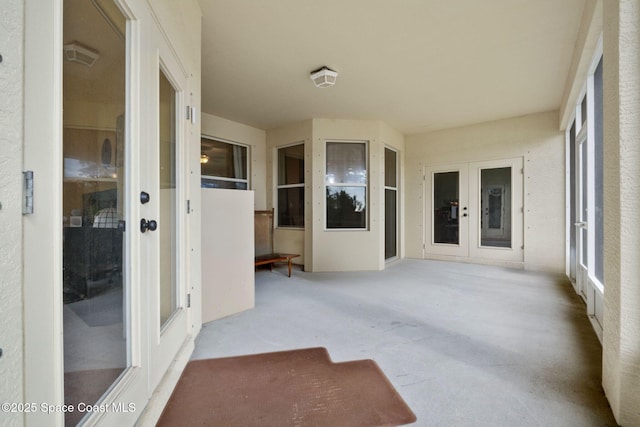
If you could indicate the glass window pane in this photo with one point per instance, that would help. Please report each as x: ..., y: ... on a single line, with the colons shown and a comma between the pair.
x: 584, y: 259
x: 390, y: 224
x: 223, y: 159
x: 218, y: 183
x: 572, y: 202
x: 390, y: 168
x: 446, y: 187
x: 291, y: 165
x: 346, y: 207
x: 599, y: 174
x: 495, y: 207
x: 94, y: 250
x: 168, y: 200
x: 291, y: 207
x: 346, y: 163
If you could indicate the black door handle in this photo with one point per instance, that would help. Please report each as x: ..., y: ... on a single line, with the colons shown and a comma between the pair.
x: 150, y: 225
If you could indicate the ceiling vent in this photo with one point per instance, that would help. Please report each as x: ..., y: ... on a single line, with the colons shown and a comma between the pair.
x: 77, y: 53
x: 324, y: 77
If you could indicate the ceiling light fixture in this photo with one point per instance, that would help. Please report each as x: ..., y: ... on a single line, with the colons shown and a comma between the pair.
x: 75, y: 52
x: 324, y: 77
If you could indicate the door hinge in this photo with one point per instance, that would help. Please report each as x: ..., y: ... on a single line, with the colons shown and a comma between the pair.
x: 188, y: 206
x: 27, y: 192
x: 522, y: 171
x: 191, y: 114
x: 188, y: 300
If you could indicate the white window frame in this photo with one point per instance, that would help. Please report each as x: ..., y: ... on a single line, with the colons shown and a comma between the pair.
x: 365, y: 186
x: 586, y: 132
x: 247, y: 166
x: 397, y: 191
x: 285, y: 186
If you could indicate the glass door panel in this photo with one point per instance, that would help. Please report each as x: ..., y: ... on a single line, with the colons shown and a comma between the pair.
x: 495, y: 207
x: 95, y: 287
x: 446, y: 212
x: 168, y: 200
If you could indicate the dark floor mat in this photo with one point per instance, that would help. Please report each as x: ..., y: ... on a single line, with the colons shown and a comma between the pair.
x: 288, y: 388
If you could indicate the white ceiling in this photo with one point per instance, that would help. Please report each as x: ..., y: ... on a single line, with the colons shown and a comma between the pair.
x: 419, y: 65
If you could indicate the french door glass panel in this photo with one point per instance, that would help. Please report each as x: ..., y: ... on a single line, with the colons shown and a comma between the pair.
x: 446, y: 214
x: 95, y: 286
x: 168, y: 200
x: 495, y: 207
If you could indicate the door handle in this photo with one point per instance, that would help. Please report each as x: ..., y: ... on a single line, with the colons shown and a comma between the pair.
x: 582, y: 224
x: 150, y: 225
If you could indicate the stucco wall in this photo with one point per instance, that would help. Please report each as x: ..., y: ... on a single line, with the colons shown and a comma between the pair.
x: 534, y: 137
x: 621, y: 346
x: 256, y: 139
x: 11, y: 123
x: 349, y: 250
x: 289, y: 240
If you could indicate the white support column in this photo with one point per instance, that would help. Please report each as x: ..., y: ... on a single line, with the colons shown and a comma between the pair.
x: 621, y: 346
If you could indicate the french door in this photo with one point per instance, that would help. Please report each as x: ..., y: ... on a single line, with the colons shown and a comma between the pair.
x: 475, y: 211
x: 124, y: 209
x: 165, y: 248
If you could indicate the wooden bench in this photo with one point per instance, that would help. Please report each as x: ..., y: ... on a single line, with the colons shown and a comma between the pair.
x: 264, y: 254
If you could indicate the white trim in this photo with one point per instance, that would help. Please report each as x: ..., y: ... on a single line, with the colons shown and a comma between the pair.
x: 276, y: 177
x: 42, y: 269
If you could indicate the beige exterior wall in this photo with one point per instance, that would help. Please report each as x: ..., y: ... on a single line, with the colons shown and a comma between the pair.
x: 334, y: 250
x: 621, y: 329
x: 256, y: 139
x: 346, y: 250
x: 537, y: 140
x: 11, y: 123
x: 290, y: 240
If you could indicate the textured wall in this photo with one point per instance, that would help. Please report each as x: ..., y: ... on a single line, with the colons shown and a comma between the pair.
x: 11, y: 123
x: 537, y: 139
x: 621, y: 346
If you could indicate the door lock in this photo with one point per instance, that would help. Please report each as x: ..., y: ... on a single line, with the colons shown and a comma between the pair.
x: 150, y: 225
x: 144, y: 197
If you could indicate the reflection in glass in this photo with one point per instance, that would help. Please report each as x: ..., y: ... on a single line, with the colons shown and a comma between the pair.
x: 598, y: 160
x: 584, y: 259
x: 291, y: 207
x: 390, y: 227
x: 445, y: 207
x: 291, y: 165
x: 291, y: 186
x: 93, y: 253
x: 167, y: 221
x: 346, y: 207
x: 346, y: 163
x: 495, y: 207
x: 223, y: 165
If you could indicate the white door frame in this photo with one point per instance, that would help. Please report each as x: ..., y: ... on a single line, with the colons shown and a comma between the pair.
x: 469, y: 248
x: 431, y: 248
x: 514, y: 254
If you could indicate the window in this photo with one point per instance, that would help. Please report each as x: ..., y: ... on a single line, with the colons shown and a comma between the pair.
x: 346, y: 185
x: 223, y: 164
x: 291, y: 186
